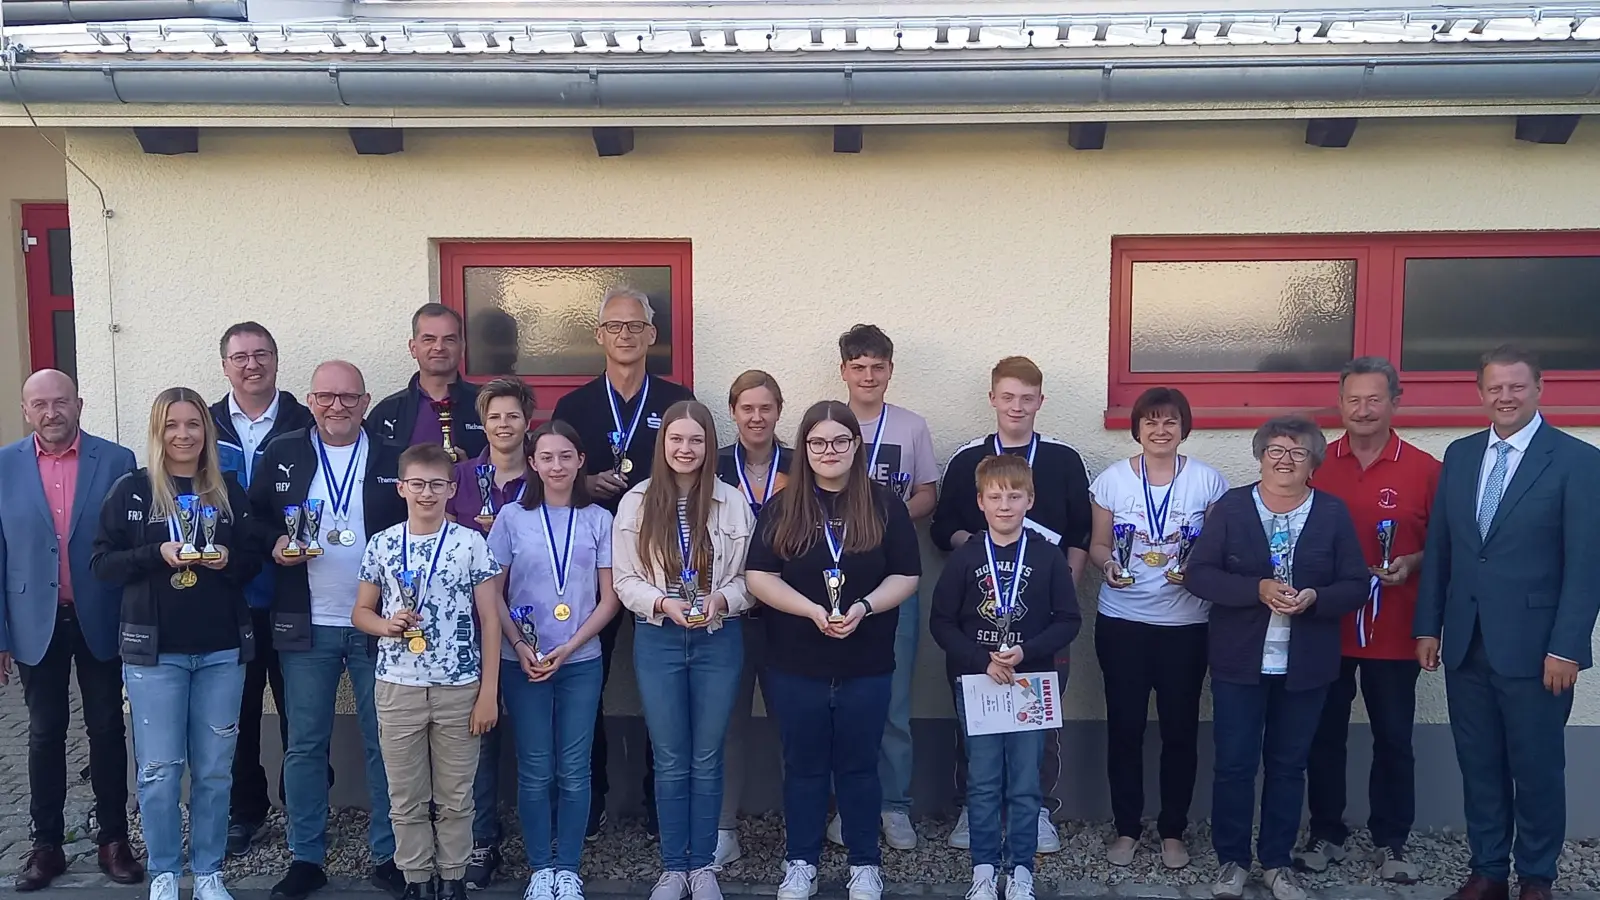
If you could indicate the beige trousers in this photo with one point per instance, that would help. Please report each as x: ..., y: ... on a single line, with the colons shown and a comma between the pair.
x: 430, y: 754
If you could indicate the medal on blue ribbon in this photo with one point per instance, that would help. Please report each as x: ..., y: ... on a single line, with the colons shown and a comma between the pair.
x: 622, y: 439
x: 1155, y: 518
x: 415, y: 641
x: 560, y: 563
x: 341, y: 491
x: 1033, y: 447
x: 744, y: 481
x: 1005, y: 601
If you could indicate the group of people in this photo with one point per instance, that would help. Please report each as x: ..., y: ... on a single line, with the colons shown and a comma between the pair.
x: 469, y: 570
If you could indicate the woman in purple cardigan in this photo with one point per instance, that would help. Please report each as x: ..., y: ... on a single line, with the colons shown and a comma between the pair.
x: 1280, y: 564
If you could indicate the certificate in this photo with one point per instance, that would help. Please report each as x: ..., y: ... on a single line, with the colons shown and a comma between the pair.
x: 1030, y: 703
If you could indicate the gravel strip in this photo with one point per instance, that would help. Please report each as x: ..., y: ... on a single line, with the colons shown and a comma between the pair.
x: 625, y: 854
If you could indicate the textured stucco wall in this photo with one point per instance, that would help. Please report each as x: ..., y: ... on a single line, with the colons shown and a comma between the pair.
x: 30, y: 172
x: 964, y: 244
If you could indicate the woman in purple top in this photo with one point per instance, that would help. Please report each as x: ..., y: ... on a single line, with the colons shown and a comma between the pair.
x: 556, y: 547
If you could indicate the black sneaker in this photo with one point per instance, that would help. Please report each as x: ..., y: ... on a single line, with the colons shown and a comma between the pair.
x: 481, y: 866
x: 452, y: 890
x: 241, y: 835
x: 386, y: 877
x: 597, y: 823
x: 416, y: 891
x: 298, y: 883
x: 652, y: 827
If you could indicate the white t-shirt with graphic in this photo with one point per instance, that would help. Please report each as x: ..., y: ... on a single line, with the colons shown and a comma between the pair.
x: 1152, y: 599
x: 444, y: 604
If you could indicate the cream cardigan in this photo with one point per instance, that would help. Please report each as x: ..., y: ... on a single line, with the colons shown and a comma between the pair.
x: 730, y: 526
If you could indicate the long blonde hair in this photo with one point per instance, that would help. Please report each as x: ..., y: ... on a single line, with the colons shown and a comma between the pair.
x: 658, y: 515
x: 208, y: 483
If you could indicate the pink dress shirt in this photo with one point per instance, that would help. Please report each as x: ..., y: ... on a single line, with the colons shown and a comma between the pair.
x: 58, y: 473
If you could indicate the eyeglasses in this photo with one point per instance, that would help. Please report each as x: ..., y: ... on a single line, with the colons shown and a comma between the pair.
x: 840, y: 444
x: 617, y: 327
x: 1295, y: 454
x: 259, y: 357
x: 426, y: 485
x: 325, y: 399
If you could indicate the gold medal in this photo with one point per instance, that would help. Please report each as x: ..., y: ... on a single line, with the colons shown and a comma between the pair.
x: 563, y: 612
x: 417, y: 644
x: 627, y: 465
x: 184, y: 578
x: 1155, y: 559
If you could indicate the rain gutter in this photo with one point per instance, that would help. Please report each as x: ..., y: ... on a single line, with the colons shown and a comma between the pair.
x: 66, y: 12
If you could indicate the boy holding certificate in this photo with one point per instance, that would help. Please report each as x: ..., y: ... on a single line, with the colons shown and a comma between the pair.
x: 1004, y: 605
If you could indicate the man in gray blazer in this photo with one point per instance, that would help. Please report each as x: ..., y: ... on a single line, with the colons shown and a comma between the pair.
x: 54, y: 613
x: 1509, y: 583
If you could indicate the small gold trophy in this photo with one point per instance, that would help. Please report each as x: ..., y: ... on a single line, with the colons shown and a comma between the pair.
x: 833, y: 580
x: 209, y: 551
x: 291, y: 521
x: 188, y: 513
x: 415, y: 642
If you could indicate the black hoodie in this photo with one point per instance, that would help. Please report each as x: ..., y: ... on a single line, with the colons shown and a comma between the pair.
x: 392, y: 420
x: 966, y: 624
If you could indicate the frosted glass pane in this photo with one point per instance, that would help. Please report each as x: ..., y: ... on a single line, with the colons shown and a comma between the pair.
x: 1455, y: 309
x: 1269, y: 316
x: 540, y: 320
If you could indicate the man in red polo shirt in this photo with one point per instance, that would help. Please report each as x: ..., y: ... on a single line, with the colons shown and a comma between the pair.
x: 1388, y: 485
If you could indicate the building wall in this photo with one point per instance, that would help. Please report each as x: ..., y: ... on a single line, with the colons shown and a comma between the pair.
x: 965, y: 245
x: 30, y: 172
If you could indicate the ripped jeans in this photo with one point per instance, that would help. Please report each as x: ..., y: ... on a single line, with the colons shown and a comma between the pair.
x: 185, y: 712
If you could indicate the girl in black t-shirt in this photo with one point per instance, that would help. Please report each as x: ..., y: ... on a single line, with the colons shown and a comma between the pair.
x: 833, y: 556
x: 179, y: 539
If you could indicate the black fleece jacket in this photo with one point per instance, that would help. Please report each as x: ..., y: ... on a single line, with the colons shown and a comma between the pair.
x: 965, y: 621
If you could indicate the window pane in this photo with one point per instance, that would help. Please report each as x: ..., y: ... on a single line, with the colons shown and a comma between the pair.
x: 65, y: 341
x: 60, y: 241
x: 1267, y: 316
x: 1455, y: 309
x: 540, y: 320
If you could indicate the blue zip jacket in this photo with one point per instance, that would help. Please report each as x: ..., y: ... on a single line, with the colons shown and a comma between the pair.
x: 292, y: 416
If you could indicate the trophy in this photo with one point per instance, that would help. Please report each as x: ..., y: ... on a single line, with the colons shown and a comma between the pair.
x: 1122, y: 542
x: 1386, y: 542
x: 620, y: 463
x: 689, y: 591
x: 900, y: 483
x: 313, y: 523
x: 523, y: 618
x: 209, y: 551
x: 291, y: 521
x: 407, y: 580
x: 442, y: 409
x: 1187, y: 535
x: 486, y: 513
x: 188, y: 512
x: 833, y: 579
x: 1005, y: 615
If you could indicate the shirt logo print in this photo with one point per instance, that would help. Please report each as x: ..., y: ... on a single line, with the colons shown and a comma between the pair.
x: 1388, y: 498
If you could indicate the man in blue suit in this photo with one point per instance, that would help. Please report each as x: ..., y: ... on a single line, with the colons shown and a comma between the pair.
x: 1509, y: 584
x: 54, y: 613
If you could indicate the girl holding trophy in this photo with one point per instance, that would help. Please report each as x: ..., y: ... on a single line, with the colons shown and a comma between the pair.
x: 556, y: 546
x: 174, y: 535
x: 679, y: 552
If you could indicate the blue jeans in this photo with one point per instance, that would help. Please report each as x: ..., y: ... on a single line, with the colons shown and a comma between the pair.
x: 894, y: 757
x: 1266, y: 727
x: 486, y: 783
x: 310, y: 683
x: 1003, y: 791
x: 552, y: 723
x: 831, y: 730
x: 185, y: 708
x: 687, y: 681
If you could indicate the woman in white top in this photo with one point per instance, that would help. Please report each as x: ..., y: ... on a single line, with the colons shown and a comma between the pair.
x: 678, y: 553
x: 1150, y: 633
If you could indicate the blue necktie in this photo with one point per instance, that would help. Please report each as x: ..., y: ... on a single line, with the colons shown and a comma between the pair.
x: 1494, y: 488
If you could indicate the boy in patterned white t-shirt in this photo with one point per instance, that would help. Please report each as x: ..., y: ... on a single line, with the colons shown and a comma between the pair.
x: 426, y: 585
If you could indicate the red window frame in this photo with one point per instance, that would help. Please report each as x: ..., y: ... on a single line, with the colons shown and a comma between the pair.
x: 1245, y: 399
x: 456, y: 256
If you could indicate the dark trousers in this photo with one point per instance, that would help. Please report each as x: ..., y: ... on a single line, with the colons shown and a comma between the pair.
x: 1135, y: 659
x: 1049, y: 760
x: 599, y: 783
x: 249, y: 802
x: 1510, y: 743
x: 1389, y: 690
x: 831, y: 730
x: 1267, y: 728
x: 46, y: 691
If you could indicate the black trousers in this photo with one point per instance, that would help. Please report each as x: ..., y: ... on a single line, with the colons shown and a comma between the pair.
x: 599, y: 783
x: 249, y: 803
x: 46, y: 691
x: 1389, y: 690
x: 1135, y: 659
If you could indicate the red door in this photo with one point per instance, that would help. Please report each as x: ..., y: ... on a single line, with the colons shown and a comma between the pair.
x: 47, y: 243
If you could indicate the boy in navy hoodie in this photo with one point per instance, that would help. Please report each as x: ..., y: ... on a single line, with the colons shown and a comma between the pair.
x: 1004, y: 604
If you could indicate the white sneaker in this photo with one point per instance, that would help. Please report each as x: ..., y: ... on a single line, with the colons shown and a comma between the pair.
x: 984, y: 886
x: 961, y: 835
x: 1020, y: 885
x: 541, y: 885
x: 569, y: 886
x: 209, y: 887
x: 1049, y: 838
x: 164, y: 887
x: 799, y: 881
x: 671, y: 886
x: 897, y: 831
x: 1283, y: 885
x: 703, y: 884
x: 1230, y: 882
x: 866, y: 883
x: 728, y: 848
x: 836, y: 830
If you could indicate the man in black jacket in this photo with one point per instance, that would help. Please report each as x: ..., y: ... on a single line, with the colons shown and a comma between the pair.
x: 253, y: 413
x: 413, y: 415
x: 325, y: 490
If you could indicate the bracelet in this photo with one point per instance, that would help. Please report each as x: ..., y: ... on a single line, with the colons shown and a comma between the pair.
x: 863, y: 602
